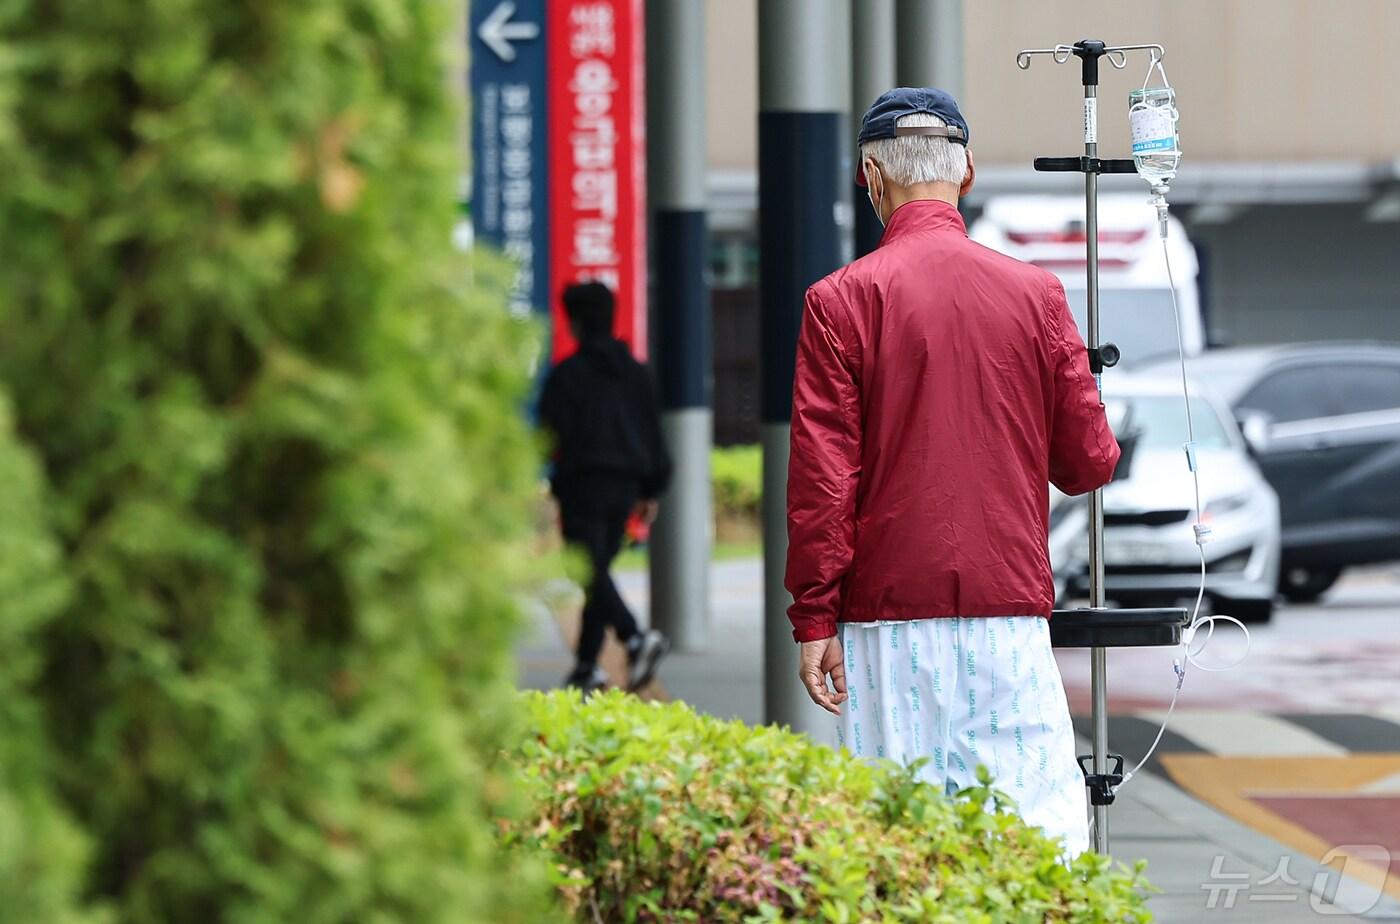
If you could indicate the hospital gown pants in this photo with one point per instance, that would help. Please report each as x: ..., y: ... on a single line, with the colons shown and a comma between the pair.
x: 963, y: 692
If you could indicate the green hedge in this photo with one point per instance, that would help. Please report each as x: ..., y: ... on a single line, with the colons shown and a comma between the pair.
x: 41, y: 850
x: 736, y: 478
x: 653, y: 813
x: 288, y: 476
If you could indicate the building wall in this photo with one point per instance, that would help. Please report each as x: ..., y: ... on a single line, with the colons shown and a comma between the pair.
x: 731, y: 96
x: 1257, y: 80
x: 1303, y: 272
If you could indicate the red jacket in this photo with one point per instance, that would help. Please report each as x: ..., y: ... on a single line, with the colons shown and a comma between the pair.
x: 939, y: 386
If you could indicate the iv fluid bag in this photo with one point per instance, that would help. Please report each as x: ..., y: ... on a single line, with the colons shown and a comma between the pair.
x: 1152, y: 117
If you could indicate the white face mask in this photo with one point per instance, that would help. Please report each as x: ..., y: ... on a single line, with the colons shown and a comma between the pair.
x: 869, y: 194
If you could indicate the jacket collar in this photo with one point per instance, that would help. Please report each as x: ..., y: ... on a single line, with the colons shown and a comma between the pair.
x: 923, y: 215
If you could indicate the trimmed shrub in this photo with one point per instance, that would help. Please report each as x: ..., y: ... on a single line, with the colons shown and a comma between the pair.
x: 653, y: 813
x: 279, y: 416
x: 736, y: 478
x: 41, y: 850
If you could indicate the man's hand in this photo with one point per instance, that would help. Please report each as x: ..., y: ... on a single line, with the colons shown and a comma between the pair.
x: 816, y: 661
x: 646, y: 511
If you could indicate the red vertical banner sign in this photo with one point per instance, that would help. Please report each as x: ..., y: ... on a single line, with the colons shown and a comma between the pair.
x: 597, y: 160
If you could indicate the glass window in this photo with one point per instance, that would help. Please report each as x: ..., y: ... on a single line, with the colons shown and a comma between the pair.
x: 1160, y: 421
x: 1362, y: 388
x: 1301, y: 393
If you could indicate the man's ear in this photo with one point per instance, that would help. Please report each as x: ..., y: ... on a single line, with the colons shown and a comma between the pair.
x: 874, y: 181
x: 971, y: 177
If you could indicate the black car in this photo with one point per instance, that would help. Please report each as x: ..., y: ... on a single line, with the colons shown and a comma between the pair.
x: 1323, y: 420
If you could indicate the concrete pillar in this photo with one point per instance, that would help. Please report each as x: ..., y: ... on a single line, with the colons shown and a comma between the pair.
x: 680, y: 543
x: 931, y: 44
x: 803, y: 101
x: 873, y: 56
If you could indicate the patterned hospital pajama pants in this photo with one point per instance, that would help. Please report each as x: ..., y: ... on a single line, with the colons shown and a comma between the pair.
x: 963, y: 692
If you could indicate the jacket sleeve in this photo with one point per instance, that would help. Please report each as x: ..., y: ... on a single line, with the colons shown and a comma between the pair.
x: 823, y: 468
x: 1083, y: 451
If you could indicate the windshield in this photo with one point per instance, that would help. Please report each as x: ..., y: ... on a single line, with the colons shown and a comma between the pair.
x: 1230, y: 375
x: 1160, y: 421
x: 1139, y: 321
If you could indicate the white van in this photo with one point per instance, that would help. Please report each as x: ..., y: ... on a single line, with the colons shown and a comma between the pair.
x: 1135, y: 308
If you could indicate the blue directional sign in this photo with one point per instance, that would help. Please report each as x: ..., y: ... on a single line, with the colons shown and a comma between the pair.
x: 510, y: 204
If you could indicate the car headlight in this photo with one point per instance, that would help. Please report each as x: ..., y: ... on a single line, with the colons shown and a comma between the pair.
x: 1223, y: 505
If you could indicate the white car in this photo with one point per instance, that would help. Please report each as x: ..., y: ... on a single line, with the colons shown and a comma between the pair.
x: 1150, y: 552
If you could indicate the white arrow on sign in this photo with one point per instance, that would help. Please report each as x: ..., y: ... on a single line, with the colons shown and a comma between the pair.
x: 497, y: 31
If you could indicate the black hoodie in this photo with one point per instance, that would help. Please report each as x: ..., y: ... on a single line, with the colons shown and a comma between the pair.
x: 600, y: 406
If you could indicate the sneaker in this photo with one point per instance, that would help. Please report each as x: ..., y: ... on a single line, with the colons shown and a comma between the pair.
x: 644, y: 653
x: 587, y: 680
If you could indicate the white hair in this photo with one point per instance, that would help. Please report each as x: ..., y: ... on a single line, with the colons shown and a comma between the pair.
x: 918, y: 158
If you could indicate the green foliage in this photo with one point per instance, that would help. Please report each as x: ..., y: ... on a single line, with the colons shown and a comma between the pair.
x: 736, y: 476
x: 279, y: 419
x: 653, y: 813
x: 41, y: 851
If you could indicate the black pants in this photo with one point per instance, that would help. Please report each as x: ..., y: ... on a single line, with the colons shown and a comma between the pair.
x: 594, y: 511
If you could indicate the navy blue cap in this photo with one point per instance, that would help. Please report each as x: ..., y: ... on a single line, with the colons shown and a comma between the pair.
x: 883, y: 115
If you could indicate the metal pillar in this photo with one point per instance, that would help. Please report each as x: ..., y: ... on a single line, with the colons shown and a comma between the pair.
x: 802, y: 98
x: 931, y: 44
x: 1098, y: 666
x: 680, y: 543
x: 873, y: 50
x: 1095, y: 627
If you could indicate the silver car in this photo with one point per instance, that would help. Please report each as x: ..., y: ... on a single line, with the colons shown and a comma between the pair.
x: 1150, y: 553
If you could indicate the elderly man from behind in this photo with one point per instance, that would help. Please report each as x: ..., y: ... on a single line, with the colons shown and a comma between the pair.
x: 939, y: 386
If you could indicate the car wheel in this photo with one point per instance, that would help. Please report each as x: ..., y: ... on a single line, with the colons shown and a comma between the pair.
x: 1305, y: 585
x: 1247, y: 611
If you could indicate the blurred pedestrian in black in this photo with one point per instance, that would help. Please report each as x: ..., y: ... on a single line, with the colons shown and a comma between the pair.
x: 610, y: 462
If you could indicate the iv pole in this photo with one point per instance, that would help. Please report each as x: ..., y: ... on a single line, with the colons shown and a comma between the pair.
x: 1098, y: 628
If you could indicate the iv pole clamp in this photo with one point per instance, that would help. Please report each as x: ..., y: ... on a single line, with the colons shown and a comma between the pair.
x: 1096, y: 627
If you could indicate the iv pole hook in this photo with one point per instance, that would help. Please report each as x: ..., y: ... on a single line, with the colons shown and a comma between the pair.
x: 1116, y: 55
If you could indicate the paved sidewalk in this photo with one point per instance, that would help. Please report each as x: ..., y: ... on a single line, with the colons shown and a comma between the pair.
x: 1208, y: 866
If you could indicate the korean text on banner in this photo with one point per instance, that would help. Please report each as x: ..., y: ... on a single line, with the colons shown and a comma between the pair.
x: 597, y: 150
